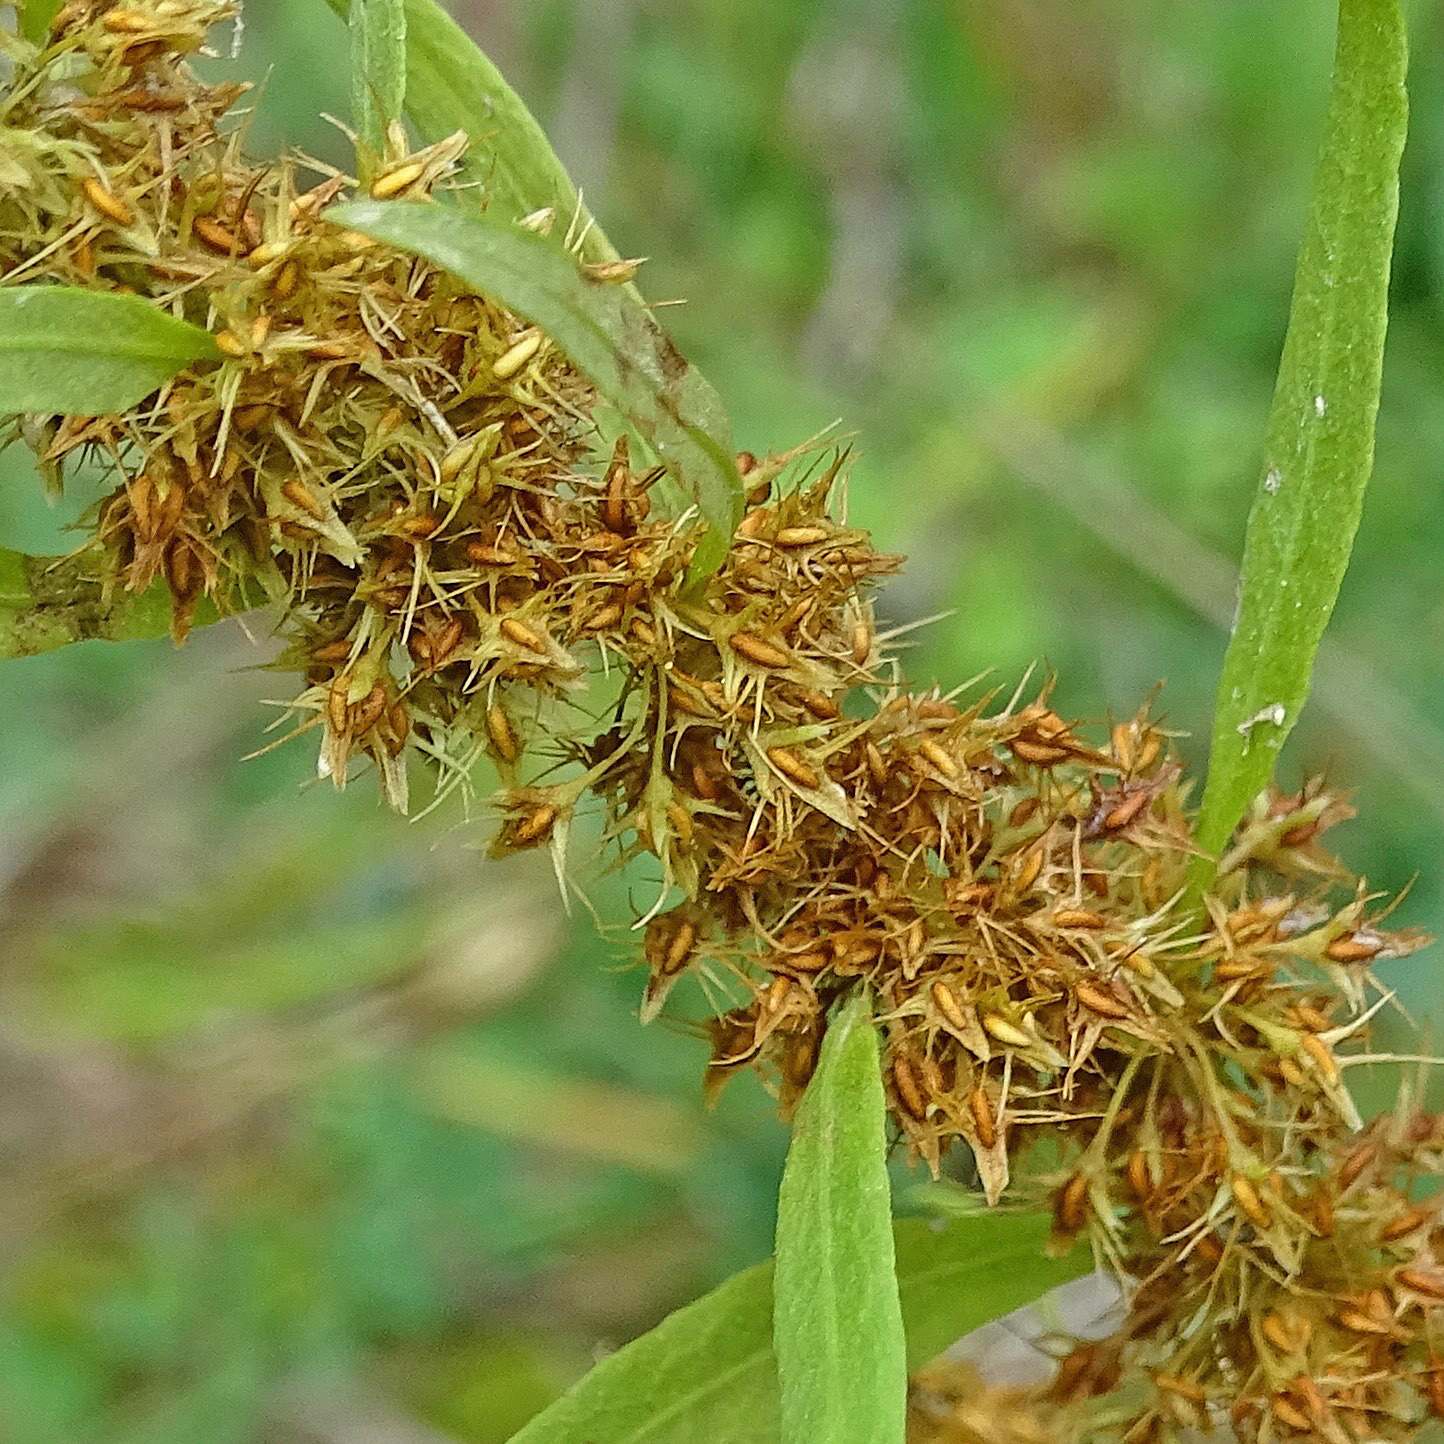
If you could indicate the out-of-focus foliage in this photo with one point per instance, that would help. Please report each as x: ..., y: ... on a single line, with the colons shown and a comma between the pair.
x: 312, y: 1116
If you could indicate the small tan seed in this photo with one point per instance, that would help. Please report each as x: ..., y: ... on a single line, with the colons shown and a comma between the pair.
x: 906, y: 1085
x: 396, y: 181
x: 758, y: 651
x: 787, y: 762
x: 303, y: 499
x: 110, y: 205
x: 981, y: 1108
x: 534, y: 827
x: 521, y: 635
x: 939, y: 757
x: 1246, y: 1196
x: 217, y: 238
x: 1009, y: 1034
x: 502, y: 733
x: 1097, y: 1001
x: 516, y: 356
x: 801, y: 536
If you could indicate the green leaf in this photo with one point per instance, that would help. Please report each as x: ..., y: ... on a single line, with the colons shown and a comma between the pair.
x: 35, y: 18
x: 67, y: 351
x: 1320, y: 442
x: 837, y: 1324
x: 707, y: 1373
x: 604, y: 328
x: 378, y: 70
x: 451, y: 86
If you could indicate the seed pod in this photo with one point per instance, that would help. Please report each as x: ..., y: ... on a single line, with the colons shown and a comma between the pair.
x: 287, y: 279
x: 821, y: 706
x: 980, y: 1106
x: 938, y: 756
x: 787, y: 762
x: 1354, y: 948
x: 520, y: 635
x: 801, y: 536
x: 905, y: 1084
x: 502, y: 733
x: 1009, y: 1034
x: 393, y: 182
x: 670, y: 941
x: 1429, y: 1283
x: 1246, y: 1196
x: 615, y: 514
x: 1040, y: 754
x: 756, y: 650
x: 1070, y: 1205
x: 1358, y: 1320
x: 1403, y: 1224
x: 876, y: 766
x: 214, y: 236
x: 366, y: 713
x: 1030, y: 866
x: 516, y: 356
x: 303, y: 499
x: 1125, y: 813
x: 1023, y: 812
x: 1289, y: 1414
x: 338, y: 711
x: 533, y: 828
x: 110, y: 205
x: 492, y: 554
x: 1100, y: 1002
x: 1322, y: 1059
x: 1083, y: 918
x: 1354, y: 1165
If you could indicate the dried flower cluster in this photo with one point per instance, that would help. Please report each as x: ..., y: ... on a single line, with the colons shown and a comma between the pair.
x: 406, y: 468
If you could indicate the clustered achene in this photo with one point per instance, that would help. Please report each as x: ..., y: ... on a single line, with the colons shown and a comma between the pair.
x: 409, y: 472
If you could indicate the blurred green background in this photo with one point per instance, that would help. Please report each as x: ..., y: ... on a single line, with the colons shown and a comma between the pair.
x: 314, y: 1125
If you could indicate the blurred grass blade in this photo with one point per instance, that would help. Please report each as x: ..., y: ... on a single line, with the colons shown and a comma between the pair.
x: 707, y: 1373
x: 603, y: 327
x: 451, y: 86
x: 1320, y: 442
x: 837, y: 1325
x: 70, y: 352
x: 378, y: 71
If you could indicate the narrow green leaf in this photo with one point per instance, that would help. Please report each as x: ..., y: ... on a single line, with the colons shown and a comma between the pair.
x: 1320, y: 442
x: 837, y: 1324
x: 604, y: 328
x: 707, y: 1373
x: 35, y: 18
x: 378, y: 70
x: 49, y: 602
x: 451, y: 86
x: 67, y: 351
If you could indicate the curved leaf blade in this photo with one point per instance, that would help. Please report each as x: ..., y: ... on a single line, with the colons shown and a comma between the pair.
x: 451, y: 86
x: 707, y: 1374
x: 67, y: 351
x: 605, y: 330
x: 378, y: 68
x: 1320, y: 440
x: 837, y: 1323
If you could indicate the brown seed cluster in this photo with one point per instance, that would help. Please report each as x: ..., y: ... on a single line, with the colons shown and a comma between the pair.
x: 409, y: 471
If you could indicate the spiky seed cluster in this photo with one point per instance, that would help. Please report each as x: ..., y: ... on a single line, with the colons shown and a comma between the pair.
x: 404, y: 466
